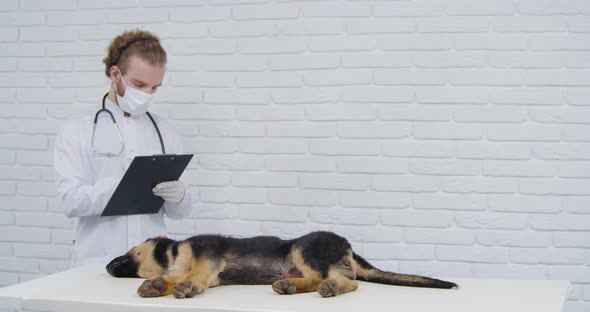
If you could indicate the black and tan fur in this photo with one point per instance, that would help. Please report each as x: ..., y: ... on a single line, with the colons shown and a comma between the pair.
x: 319, y: 261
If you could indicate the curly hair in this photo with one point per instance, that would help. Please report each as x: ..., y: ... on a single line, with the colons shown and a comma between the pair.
x: 134, y: 42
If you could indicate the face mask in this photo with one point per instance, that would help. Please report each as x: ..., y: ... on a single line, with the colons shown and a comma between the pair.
x: 134, y: 102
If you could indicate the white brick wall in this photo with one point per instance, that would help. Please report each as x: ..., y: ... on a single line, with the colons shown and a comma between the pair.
x: 441, y: 137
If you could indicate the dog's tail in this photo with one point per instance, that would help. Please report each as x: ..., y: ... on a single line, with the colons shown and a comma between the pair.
x: 368, y: 273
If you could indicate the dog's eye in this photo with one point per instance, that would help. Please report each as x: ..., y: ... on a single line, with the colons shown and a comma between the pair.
x: 139, y: 253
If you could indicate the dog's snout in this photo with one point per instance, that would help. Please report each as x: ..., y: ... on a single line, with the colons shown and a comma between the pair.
x: 123, y: 266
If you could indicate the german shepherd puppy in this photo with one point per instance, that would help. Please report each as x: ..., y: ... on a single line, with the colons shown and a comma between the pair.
x: 319, y: 261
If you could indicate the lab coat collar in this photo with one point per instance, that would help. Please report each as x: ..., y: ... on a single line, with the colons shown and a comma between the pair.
x: 117, y: 111
x: 114, y: 108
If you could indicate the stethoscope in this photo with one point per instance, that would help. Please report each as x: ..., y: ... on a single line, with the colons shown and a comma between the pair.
x: 108, y: 112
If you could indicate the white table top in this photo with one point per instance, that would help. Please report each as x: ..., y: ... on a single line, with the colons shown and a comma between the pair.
x: 91, y: 288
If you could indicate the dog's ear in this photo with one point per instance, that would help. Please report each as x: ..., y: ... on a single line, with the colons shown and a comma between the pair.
x: 156, y: 238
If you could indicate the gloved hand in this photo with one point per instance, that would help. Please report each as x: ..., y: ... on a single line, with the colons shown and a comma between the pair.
x: 170, y: 191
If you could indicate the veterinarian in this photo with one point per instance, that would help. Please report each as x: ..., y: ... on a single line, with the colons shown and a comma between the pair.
x: 92, y: 153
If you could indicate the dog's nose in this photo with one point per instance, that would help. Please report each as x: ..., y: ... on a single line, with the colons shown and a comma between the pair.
x: 112, y: 266
x: 123, y: 266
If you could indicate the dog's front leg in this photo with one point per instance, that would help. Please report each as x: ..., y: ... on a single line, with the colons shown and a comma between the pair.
x: 177, y: 283
x: 164, y: 284
x: 156, y: 287
x: 195, y: 286
x: 204, y: 273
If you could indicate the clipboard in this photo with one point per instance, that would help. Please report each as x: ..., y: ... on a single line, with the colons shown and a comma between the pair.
x: 134, y: 193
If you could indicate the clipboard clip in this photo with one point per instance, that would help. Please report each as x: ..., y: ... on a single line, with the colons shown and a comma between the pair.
x: 160, y: 155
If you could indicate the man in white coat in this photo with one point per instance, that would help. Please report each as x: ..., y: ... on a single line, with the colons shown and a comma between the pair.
x: 90, y: 161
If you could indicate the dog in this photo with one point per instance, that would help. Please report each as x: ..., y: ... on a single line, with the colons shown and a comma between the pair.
x: 319, y: 261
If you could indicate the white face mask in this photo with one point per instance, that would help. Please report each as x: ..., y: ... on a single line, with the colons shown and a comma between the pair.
x: 134, y: 102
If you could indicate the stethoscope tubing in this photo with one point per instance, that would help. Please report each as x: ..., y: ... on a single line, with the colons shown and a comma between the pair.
x: 105, y: 110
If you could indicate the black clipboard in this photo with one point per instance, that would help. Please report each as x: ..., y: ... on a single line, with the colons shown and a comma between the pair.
x: 134, y: 193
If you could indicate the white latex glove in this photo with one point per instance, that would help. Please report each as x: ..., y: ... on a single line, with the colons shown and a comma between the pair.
x: 170, y: 191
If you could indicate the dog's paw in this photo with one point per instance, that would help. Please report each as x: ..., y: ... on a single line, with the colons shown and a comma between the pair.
x: 184, y: 290
x: 328, y: 289
x: 151, y: 288
x: 284, y: 287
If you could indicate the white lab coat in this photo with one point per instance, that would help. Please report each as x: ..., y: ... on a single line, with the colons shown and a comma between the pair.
x: 86, y: 181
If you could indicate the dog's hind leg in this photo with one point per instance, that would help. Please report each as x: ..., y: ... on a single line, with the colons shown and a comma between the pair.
x: 341, y: 278
x: 309, y: 281
x: 288, y: 286
x: 335, y: 286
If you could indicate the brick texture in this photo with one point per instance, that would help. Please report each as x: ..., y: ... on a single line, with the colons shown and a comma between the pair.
x: 440, y: 137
